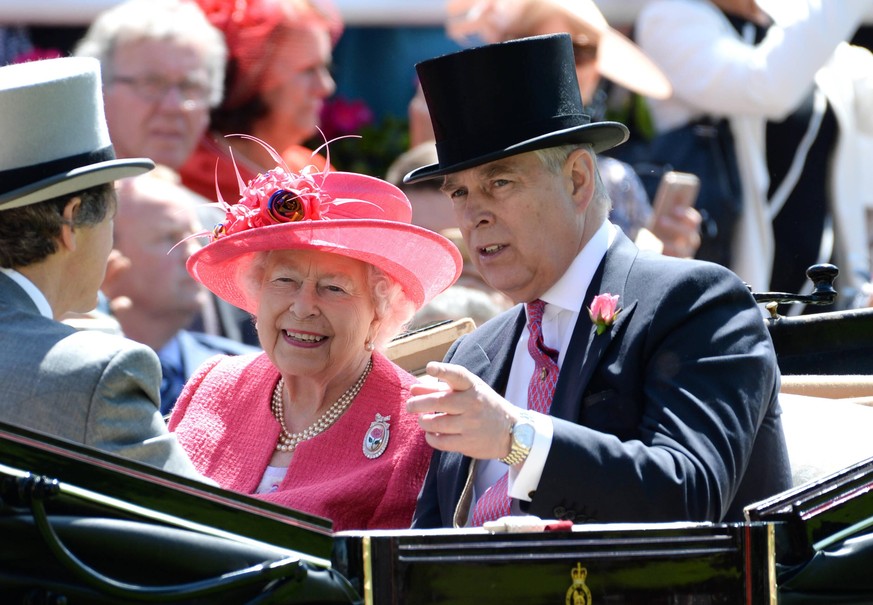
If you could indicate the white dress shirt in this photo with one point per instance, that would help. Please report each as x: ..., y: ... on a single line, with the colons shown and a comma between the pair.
x: 35, y: 294
x: 563, y: 306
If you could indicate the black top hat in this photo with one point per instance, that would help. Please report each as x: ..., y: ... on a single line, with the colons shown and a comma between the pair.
x: 503, y: 99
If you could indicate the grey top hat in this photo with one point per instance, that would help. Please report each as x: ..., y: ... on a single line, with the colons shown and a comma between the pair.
x: 503, y: 99
x: 53, y: 132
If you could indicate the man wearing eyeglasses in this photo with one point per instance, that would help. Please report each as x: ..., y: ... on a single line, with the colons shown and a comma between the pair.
x: 163, y: 69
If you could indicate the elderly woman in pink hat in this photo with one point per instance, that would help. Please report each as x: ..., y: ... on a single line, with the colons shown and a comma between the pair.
x: 331, y: 269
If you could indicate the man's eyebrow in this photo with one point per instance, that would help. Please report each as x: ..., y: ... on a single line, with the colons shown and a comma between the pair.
x: 482, y: 172
x: 496, y: 168
x: 448, y: 185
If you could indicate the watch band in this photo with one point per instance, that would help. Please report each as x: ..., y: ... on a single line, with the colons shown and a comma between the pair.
x: 516, y: 455
x: 517, y: 452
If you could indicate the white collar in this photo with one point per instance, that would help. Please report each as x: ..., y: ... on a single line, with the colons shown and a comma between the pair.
x: 565, y: 292
x: 35, y: 294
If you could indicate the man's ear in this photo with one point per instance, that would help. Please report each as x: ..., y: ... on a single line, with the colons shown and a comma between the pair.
x: 68, y: 232
x: 116, y: 264
x: 580, y: 171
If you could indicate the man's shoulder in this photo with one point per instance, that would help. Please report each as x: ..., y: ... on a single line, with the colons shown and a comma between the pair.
x: 672, y: 271
x: 497, y: 332
x: 500, y: 322
x: 93, y: 346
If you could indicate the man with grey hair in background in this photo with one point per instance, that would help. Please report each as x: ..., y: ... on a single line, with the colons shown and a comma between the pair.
x: 163, y: 66
x: 163, y: 69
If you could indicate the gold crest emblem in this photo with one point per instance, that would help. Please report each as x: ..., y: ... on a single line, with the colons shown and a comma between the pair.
x: 376, y: 439
x: 578, y: 593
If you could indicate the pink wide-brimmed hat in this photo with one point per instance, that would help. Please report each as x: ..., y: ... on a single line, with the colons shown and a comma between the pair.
x: 343, y: 213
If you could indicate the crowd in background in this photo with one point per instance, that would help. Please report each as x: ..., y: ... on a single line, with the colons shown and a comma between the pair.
x: 221, y: 95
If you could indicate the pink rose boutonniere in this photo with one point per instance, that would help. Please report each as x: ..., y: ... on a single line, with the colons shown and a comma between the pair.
x: 603, y: 311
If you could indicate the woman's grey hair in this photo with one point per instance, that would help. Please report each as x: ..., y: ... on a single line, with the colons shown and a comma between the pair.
x: 553, y: 159
x: 394, y: 308
x: 171, y: 20
x: 29, y: 234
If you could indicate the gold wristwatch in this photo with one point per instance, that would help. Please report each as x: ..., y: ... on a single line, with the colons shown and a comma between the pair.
x: 522, y: 438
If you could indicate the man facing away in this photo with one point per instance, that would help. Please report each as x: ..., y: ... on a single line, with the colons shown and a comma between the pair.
x: 57, y: 203
x: 628, y: 386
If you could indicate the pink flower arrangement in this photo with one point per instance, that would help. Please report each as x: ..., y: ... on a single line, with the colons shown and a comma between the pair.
x: 341, y: 116
x: 360, y: 140
x: 603, y: 311
x: 277, y: 196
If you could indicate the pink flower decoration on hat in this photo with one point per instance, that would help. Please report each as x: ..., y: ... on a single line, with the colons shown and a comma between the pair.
x: 277, y: 196
x: 603, y: 311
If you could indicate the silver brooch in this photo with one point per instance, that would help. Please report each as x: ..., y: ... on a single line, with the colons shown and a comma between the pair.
x: 376, y: 439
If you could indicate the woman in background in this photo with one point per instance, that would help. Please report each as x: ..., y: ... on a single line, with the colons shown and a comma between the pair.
x: 279, y: 55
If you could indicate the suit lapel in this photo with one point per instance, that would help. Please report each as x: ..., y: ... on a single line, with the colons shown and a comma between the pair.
x: 491, y: 362
x: 586, y: 346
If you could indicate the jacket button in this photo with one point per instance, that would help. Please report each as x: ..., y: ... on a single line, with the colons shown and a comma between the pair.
x: 559, y: 512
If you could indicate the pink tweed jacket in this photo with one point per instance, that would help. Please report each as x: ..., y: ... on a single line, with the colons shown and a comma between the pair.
x: 224, y: 422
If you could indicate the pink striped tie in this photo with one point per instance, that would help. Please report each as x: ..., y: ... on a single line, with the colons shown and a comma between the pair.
x: 495, y: 502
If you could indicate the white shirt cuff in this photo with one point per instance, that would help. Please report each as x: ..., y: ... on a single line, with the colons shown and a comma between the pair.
x: 524, y: 481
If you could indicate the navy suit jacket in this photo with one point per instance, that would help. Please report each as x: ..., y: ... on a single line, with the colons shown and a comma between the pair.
x: 669, y: 415
x: 194, y: 349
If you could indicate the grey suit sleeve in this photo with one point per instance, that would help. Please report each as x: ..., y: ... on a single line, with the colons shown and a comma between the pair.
x: 123, y: 415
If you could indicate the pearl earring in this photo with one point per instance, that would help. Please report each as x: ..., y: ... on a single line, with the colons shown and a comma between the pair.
x: 369, y: 345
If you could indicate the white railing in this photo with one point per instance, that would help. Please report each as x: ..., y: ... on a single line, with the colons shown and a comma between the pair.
x: 355, y: 12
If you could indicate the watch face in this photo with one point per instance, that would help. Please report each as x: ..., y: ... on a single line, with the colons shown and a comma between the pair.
x: 523, y: 435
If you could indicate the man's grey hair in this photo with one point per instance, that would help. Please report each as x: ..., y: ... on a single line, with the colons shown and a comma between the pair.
x: 553, y: 159
x: 171, y: 20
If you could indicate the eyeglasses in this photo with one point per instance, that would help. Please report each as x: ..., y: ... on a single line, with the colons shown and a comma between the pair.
x: 155, y: 88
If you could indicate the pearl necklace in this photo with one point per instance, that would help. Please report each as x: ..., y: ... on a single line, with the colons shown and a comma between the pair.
x: 288, y: 440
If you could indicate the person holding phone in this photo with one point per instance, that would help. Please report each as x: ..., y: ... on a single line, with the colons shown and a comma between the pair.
x: 799, y: 103
x: 601, y: 54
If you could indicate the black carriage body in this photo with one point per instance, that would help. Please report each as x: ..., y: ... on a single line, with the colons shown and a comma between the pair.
x: 149, y: 536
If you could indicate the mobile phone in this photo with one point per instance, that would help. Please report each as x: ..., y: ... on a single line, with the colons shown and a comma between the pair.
x: 676, y: 190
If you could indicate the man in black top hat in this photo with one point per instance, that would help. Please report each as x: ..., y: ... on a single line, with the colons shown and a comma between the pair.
x: 629, y: 386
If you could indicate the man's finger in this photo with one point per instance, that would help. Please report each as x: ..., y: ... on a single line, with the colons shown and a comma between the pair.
x: 457, y: 377
x: 428, y: 384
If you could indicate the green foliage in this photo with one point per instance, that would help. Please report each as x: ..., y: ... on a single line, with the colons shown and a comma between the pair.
x: 372, y: 154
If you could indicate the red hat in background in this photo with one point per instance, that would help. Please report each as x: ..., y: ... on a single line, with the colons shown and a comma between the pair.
x: 251, y: 30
